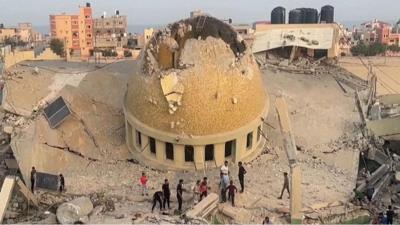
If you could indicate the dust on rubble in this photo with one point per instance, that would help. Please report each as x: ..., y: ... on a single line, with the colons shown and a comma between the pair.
x: 89, y: 149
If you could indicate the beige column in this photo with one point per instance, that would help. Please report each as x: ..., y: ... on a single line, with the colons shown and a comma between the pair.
x: 160, y: 150
x: 295, y: 195
x: 240, y: 148
x: 199, y: 156
x: 128, y: 136
x: 219, y: 154
x: 179, y: 155
x: 145, y: 149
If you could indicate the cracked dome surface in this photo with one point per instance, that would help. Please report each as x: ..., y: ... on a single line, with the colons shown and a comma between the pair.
x: 196, y: 85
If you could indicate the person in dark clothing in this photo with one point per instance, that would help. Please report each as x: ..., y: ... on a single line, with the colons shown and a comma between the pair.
x: 285, y: 185
x: 266, y: 220
x: 389, y: 215
x: 179, y: 192
x: 62, y: 183
x: 231, y: 192
x: 242, y: 172
x: 167, y: 193
x: 157, y: 197
x: 33, y: 179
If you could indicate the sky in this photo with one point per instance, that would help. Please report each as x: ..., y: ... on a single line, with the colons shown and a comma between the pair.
x: 146, y: 12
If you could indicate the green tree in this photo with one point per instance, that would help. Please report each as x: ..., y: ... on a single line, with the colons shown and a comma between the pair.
x: 57, y: 46
x: 368, y: 50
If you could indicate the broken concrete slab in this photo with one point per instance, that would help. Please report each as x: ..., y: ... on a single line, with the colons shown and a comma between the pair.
x: 75, y: 210
x: 239, y: 215
x: 204, y: 207
x: 384, y: 127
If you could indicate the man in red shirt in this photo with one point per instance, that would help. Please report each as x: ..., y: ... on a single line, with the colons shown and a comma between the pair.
x: 203, y: 188
x: 231, y: 192
x: 143, y: 184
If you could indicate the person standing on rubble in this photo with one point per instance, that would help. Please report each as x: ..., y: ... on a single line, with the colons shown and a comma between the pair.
x: 158, y: 197
x: 62, y: 183
x: 389, y: 215
x: 285, y: 185
x: 266, y: 220
x: 231, y: 192
x: 225, y: 169
x: 203, y: 188
x: 241, y: 174
x: 33, y: 179
x: 143, y: 183
x: 179, y: 192
x: 223, y: 186
x: 167, y: 193
x: 196, y: 191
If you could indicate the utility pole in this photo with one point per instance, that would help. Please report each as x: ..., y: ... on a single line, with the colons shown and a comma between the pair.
x: 289, y: 144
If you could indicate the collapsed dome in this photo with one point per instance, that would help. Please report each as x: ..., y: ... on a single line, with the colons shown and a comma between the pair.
x: 196, y: 80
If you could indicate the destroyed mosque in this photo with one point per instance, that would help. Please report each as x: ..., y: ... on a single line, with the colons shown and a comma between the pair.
x: 196, y: 99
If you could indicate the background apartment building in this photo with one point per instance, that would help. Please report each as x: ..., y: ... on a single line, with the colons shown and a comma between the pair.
x: 110, y: 32
x: 76, y: 31
x: 377, y: 31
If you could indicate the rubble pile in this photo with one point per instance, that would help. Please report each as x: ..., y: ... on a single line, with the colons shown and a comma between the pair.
x: 302, y: 65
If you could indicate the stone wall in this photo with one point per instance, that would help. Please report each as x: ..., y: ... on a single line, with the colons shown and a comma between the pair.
x: 16, y: 57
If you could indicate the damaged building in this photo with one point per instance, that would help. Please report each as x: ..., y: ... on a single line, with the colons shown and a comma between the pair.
x: 313, y: 40
x: 196, y: 99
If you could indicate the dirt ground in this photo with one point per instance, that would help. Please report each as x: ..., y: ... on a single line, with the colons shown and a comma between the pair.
x: 387, y: 70
x: 322, y: 118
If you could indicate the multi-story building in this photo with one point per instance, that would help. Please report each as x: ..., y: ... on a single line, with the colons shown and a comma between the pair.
x: 377, y: 31
x: 76, y: 31
x: 7, y: 33
x: 110, y: 32
x: 25, y: 32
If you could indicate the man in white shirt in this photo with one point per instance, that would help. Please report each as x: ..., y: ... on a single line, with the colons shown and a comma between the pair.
x: 225, y: 169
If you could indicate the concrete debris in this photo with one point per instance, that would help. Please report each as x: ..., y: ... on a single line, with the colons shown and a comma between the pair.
x: 303, y: 65
x: 75, y: 210
x: 234, y: 100
x: 204, y: 207
x: 173, y: 90
x: 8, y: 129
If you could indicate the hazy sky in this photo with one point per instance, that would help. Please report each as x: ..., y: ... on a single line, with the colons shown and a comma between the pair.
x: 141, y: 12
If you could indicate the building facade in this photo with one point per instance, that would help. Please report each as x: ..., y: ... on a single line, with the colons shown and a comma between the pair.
x: 315, y: 38
x: 377, y: 31
x: 110, y: 32
x: 7, y: 33
x: 76, y: 31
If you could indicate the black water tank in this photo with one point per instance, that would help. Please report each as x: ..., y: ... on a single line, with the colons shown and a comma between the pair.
x: 87, y: 4
x: 295, y: 16
x: 327, y: 14
x: 310, y: 15
x: 278, y: 15
x: 117, y: 12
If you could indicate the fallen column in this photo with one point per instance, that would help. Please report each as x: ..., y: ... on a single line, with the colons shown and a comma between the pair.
x: 71, y: 212
x: 204, y: 207
x: 296, y: 215
x: 7, y: 191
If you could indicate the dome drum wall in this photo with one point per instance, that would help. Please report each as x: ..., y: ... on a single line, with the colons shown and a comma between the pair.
x: 138, y: 136
x: 195, y: 88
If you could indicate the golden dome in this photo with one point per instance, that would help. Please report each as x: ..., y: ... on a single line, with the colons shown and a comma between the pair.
x: 196, y: 81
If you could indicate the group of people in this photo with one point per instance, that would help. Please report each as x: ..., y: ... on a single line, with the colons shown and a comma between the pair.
x: 61, y: 181
x: 226, y: 185
x: 163, y: 196
x: 385, y: 218
x: 200, y: 189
